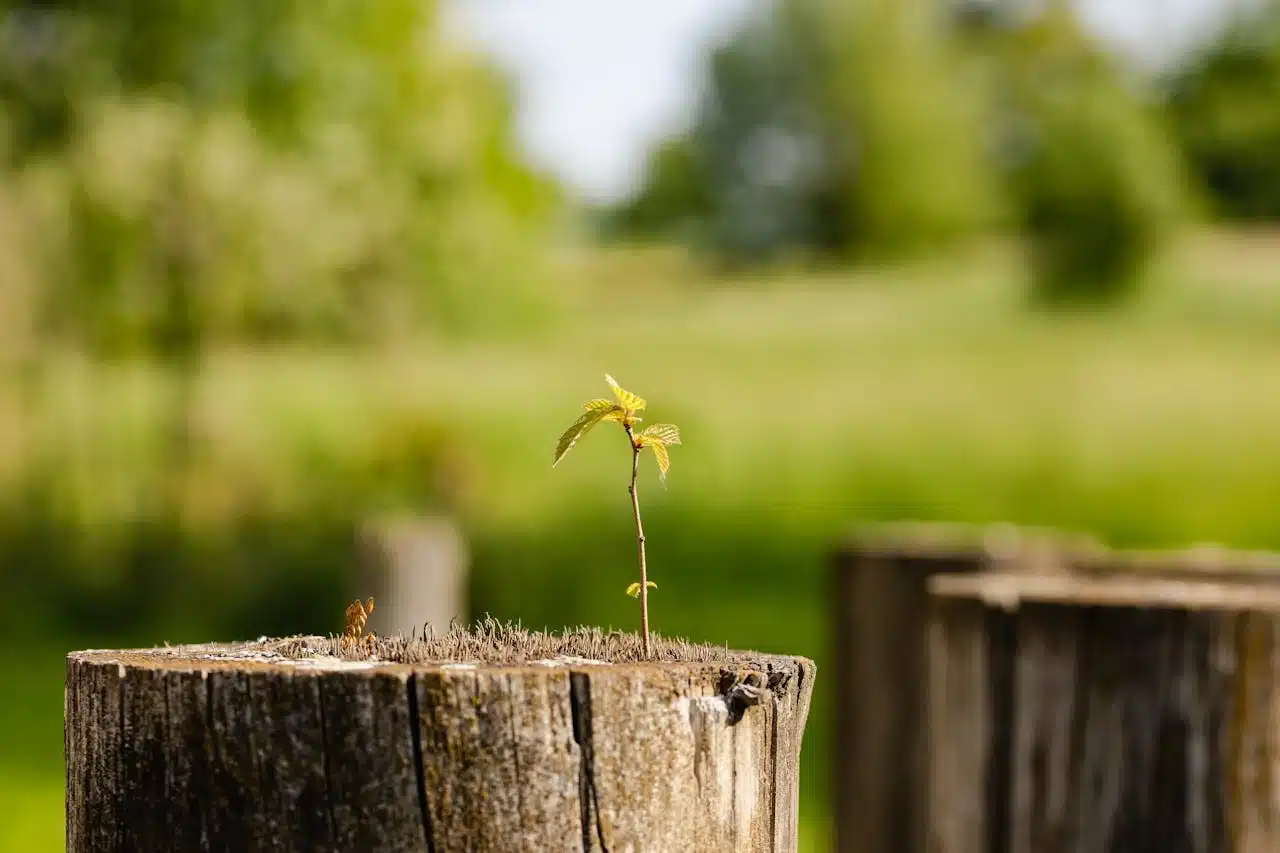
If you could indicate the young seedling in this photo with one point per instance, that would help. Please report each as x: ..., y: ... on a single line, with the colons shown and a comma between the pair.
x: 623, y: 409
x: 357, y: 616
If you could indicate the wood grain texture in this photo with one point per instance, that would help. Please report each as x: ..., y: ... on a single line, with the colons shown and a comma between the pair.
x: 199, y: 751
x: 1004, y: 690
x: 93, y: 738
x: 880, y: 618
x: 957, y: 733
x: 1120, y: 729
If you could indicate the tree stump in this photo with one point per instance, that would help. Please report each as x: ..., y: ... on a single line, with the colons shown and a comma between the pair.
x: 493, y: 740
x: 1103, y: 713
x: 880, y: 617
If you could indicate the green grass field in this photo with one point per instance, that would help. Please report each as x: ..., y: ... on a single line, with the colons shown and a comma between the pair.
x: 808, y: 402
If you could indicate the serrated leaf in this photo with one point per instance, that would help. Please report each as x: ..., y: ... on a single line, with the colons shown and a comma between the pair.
x: 579, y: 428
x: 664, y: 458
x: 610, y: 410
x: 661, y: 434
x: 630, y: 402
x: 634, y: 589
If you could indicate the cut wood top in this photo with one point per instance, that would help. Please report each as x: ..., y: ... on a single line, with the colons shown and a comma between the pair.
x: 1033, y: 550
x: 489, y: 645
x: 1007, y: 590
x: 946, y: 541
x: 1204, y: 561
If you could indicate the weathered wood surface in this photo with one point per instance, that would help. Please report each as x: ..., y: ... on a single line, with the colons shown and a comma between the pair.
x: 880, y: 626
x: 416, y: 568
x: 258, y: 747
x: 1102, y: 715
x: 885, y: 766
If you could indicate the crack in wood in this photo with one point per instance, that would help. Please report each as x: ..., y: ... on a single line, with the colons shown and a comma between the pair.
x: 415, y: 736
x: 214, y: 758
x: 588, y: 796
x: 515, y: 745
x: 324, y: 756
x: 773, y: 766
x: 119, y: 757
x: 1002, y: 699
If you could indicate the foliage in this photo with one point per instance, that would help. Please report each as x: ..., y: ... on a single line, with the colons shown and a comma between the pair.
x: 257, y: 171
x: 675, y: 198
x: 904, y: 123
x: 257, y: 533
x: 745, y: 182
x: 885, y: 127
x: 624, y: 409
x: 819, y: 133
x: 634, y: 589
x: 1095, y: 178
x: 1225, y: 109
x: 181, y: 178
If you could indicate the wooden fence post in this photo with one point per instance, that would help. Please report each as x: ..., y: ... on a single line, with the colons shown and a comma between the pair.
x: 416, y: 570
x: 880, y: 628
x: 312, y: 744
x: 1109, y: 710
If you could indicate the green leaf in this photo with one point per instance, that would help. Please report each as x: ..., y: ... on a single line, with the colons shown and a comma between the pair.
x: 579, y: 428
x: 664, y: 458
x: 611, y: 410
x: 627, y: 400
x: 660, y: 434
x: 634, y: 589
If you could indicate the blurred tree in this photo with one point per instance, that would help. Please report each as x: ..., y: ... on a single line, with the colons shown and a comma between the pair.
x: 1096, y: 179
x: 675, y: 198
x: 330, y: 168
x: 905, y: 123
x: 1225, y: 105
x: 819, y: 130
x: 181, y: 174
x: 746, y: 180
x: 884, y: 127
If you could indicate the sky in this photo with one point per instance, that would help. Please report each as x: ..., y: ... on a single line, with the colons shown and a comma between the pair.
x: 599, y: 81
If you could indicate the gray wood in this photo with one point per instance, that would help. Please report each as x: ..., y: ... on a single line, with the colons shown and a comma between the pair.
x: 416, y: 569
x: 371, y: 760
x: 1121, y: 727
x: 93, y: 738
x: 1254, y: 746
x: 499, y: 758
x: 663, y: 745
x: 880, y: 624
x: 188, y: 759
x: 957, y: 733
x: 262, y: 747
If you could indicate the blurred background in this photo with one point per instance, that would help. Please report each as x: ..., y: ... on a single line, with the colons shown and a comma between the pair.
x: 269, y: 270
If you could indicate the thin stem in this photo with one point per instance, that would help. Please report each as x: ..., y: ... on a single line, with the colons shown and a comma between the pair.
x: 635, y: 508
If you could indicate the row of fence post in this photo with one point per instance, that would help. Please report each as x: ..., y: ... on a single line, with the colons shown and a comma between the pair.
x: 1021, y: 691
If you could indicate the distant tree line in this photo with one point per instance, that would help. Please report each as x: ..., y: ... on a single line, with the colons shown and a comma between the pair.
x: 884, y: 127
